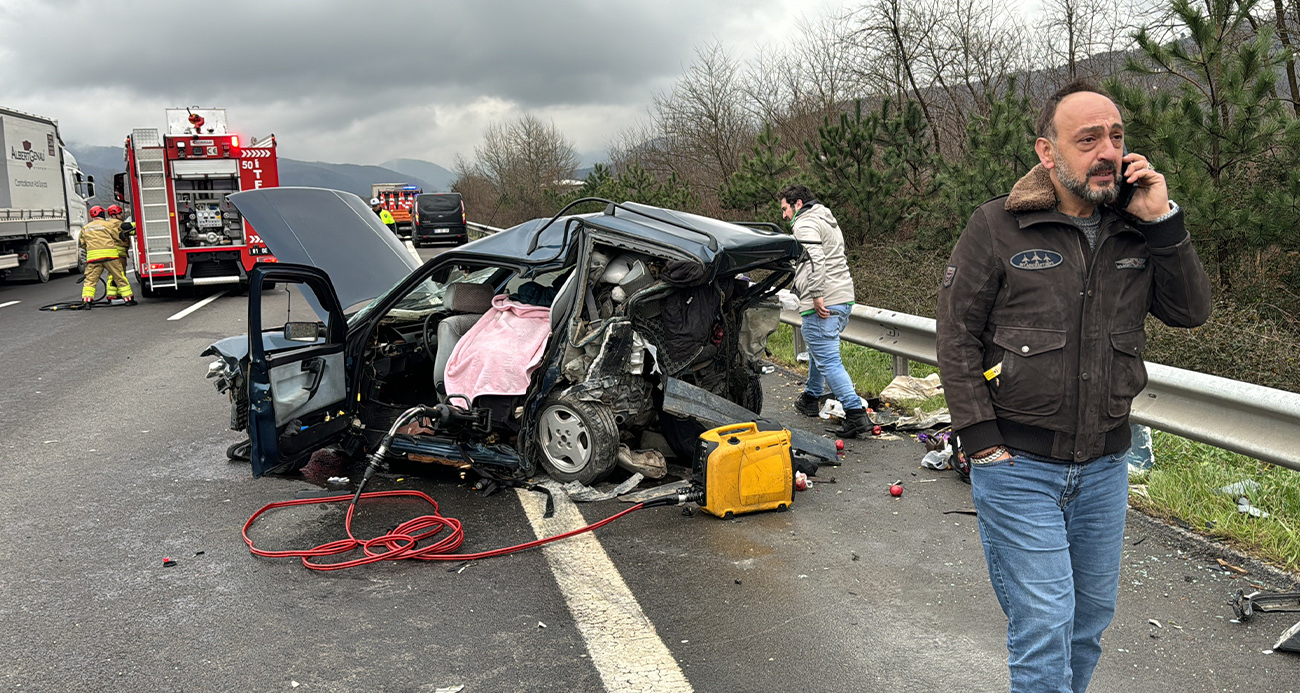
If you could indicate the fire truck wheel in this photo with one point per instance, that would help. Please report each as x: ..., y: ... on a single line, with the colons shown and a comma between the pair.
x: 576, y: 440
x: 145, y: 290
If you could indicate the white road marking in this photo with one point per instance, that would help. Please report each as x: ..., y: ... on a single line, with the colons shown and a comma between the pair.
x: 197, y: 306
x: 6, y: 305
x: 622, y: 642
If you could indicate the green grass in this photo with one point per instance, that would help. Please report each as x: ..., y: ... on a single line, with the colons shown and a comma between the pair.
x: 870, y: 370
x: 1184, y: 483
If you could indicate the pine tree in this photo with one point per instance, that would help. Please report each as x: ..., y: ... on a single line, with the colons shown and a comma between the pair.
x: 762, y: 176
x: 849, y: 175
x: 1222, y: 137
x: 999, y: 151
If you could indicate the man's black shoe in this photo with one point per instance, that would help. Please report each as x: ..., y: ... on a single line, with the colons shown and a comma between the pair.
x: 808, y: 405
x: 856, y: 424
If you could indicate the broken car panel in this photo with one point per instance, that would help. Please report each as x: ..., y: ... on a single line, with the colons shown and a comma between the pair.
x: 563, y: 334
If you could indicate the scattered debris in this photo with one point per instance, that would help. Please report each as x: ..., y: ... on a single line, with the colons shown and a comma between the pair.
x: 801, y: 481
x: 1155, y: 623
x: 1139, y: 541
x: 961, y: 512
x: 1244, y: 506
x: 650, y: 463
x: 1290, y: 640
x: 645, y: 494
x: 1244, y: 606
x: 586, y: 494
x: 169, y: 562
x: 1139, y: 457
x: 449, y: 689
x: 1233, y: 568
x: 896, y: 489
x: 541, y: 625
x: 937, y: 459
x: 908, y: 388
x: 920, y: 420
x: 1240, y: 488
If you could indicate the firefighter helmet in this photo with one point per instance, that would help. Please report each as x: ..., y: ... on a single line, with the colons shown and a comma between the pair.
x: 113, y: 209
x: 374, y: 201
x: 96, y: 212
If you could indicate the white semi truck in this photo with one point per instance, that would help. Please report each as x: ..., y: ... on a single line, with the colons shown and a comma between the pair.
x: 42, y: 199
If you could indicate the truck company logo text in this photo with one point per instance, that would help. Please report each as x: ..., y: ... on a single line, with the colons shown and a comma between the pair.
x: 27, y: 154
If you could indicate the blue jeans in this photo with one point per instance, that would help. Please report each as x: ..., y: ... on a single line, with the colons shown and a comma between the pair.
x: 1053, y: 533
x: 824, y: 365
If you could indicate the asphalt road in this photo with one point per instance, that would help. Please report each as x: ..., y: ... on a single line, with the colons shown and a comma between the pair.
x: 112, y: 455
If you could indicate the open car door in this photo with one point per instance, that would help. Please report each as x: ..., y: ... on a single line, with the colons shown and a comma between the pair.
x: 298, y: 395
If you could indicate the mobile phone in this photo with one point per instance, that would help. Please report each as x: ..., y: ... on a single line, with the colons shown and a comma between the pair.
x: 1126, y: 189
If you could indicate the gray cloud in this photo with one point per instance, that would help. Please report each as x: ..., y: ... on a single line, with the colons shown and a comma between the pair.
x: 362, y: 82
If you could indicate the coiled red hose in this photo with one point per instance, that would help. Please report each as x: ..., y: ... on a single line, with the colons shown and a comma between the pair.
x: 402, y: 542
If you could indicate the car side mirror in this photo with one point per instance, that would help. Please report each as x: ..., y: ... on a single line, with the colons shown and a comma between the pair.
x: 303, y: 331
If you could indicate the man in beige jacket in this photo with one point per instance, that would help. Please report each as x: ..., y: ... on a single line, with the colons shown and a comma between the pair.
x: 825, y: 290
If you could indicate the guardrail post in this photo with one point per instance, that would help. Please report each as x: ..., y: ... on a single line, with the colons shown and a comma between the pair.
x: 800, y: 346
x: 902, y: 366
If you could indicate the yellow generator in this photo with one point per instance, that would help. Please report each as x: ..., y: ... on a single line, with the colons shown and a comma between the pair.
x: 740, y: 469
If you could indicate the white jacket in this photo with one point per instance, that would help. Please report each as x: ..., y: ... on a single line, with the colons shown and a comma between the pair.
x: 823, y: 272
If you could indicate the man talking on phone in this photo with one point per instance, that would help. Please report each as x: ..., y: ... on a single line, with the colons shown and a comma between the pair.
x: 1040, y: 339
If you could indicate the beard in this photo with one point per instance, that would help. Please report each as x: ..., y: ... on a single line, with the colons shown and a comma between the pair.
x: 1079, y: 185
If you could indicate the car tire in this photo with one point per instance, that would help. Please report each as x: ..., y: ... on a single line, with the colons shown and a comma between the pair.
x: 576, y: 440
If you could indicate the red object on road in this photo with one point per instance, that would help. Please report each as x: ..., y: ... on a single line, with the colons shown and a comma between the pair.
x: 839, y: 445
x: 875, y: 431
x: 896, y: 490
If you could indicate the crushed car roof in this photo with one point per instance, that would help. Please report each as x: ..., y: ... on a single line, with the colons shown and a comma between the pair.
x: 337, y: 232
x: 723, y: 246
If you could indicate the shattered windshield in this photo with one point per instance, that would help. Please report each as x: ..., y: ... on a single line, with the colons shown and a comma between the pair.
x: 426, y: 297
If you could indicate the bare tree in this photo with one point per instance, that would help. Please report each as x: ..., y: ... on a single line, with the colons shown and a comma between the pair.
x: 702, y: 125
x: 523, y: 160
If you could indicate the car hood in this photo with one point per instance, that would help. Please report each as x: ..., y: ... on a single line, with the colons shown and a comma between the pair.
x: 330, y: 229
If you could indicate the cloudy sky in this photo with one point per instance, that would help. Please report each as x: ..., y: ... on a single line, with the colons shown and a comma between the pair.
x: 365, y: 82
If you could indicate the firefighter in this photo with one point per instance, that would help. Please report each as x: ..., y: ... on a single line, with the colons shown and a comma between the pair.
x: 115, y: 214
x: 384, y: 215
x: 105, y: 244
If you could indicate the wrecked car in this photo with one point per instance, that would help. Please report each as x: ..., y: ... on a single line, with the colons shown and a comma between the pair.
x: 549, y: 346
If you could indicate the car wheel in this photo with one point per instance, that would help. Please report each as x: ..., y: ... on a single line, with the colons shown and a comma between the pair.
x: 752, y: 396
x: 576, y: 440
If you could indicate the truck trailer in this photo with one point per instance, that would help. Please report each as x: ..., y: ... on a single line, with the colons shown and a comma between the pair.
x: 188, y: 234
x: 42, y: 199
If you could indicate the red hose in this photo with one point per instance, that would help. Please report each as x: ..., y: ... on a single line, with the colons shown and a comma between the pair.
x: 402, y: 541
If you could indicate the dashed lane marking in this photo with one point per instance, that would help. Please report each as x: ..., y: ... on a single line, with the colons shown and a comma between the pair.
x: 197, y: 306
x: 622, y: 642
x: 6, y: 305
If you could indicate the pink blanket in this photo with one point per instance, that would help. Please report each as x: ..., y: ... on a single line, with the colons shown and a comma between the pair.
x: 499, y: 353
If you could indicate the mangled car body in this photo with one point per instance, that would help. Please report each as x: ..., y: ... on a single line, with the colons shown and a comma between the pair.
x: 549, y: 344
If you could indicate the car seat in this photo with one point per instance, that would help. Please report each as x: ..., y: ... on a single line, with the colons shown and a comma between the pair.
x: 469, y: 302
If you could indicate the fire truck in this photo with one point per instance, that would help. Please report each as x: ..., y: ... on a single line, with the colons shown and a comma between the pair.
x: 397, y: 198
x: 187, y: 233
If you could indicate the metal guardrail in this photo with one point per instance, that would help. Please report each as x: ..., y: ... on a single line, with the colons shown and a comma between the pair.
x: 1253, y: 420
x: 1257, y: 421
x: 477, y: 231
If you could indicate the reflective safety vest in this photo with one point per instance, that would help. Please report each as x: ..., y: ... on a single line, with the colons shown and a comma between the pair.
x: 102, y: 239
x: 386, y: 217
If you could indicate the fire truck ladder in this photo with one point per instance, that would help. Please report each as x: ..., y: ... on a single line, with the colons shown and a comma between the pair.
x: 152, y: 209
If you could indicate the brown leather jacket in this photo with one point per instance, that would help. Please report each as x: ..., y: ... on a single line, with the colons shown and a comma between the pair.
x: 1040, y: 341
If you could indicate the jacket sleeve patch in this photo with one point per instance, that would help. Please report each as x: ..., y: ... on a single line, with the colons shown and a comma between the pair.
x: 1131, y: 263
x: 949, y: 273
